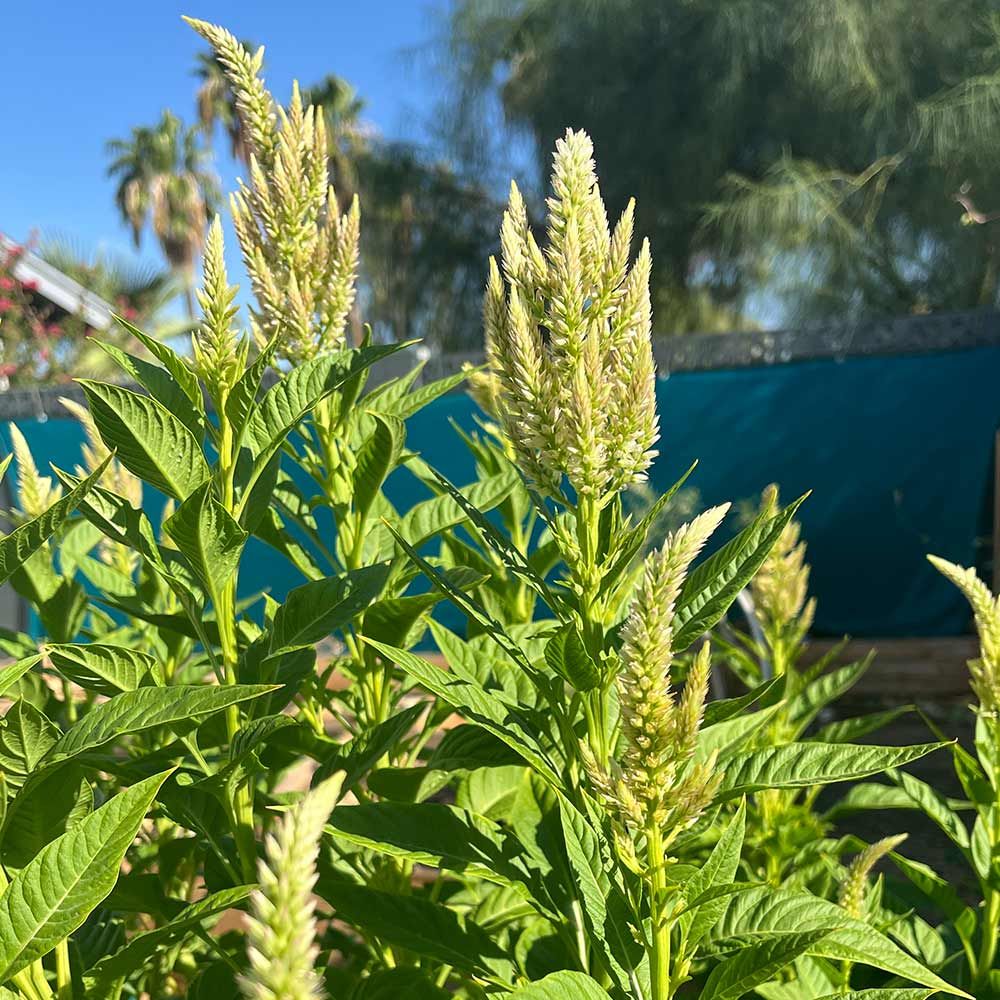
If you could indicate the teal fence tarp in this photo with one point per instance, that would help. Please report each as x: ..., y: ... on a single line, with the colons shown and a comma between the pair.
x: 898, y: 453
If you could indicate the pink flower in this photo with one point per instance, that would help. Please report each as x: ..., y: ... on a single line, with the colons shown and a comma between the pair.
x: 129, y: 313
x: 5, y: 305
x: 7, y: 369
x: 43, y: 353
x: 6, y: 283
x: 30, y: 286
x: 54, y: 330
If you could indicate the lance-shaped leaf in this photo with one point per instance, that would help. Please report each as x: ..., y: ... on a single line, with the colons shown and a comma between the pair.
x: 758, y: 963
x: 889, y: 994
x: 134, y: 711
x: 378, y: 456
x: 430, y: 833
x: 799, y: 765
x: 431, y: 517
x: 719, y: 870
x: 171, y: 361
x: 13, y: 672
x: 404, y: 406
x: 566, y: 654
x: 321, y: 607
x: 208, y: 537
x: 507, y: 722
x: 242, y: 397
x: 103, y: 668
x: 148, y: 439
x: 491, y: 537
x: 161, y: 385
x: 23, y: 541
x: 292, y: 397
x: 713, y: 585
x: 562, y: 986
x: 423, y: 927
x: 605, y: 908
x: 50, y: 897
x: 468, y: 604
x: 142, y: 947
x: 25, y: 738
x: 763, y: 912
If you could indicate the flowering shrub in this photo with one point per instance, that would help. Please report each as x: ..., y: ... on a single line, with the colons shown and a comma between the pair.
x: 41, y: 344
x: 560, y: 811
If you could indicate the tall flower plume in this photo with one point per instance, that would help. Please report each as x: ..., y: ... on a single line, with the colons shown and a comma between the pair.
x: 219, y: 352
x: 986, y: 609
x: 281, y: 928
x: 568, y: 331
x: 781, y: 586
x: 655, y: 780
x: 301, y: 253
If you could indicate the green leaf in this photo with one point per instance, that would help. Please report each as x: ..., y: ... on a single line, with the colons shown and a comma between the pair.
x: 849, y: 730
x: 25, y: 738
x: 935, y: 807
x: 492, y: 538
x: 507, y: 722
x: 50, y: 898
x: 719, y: 870
x: 242, y: 397
x: 297, y: 393
x: 799, y: 765
x: 393, y: 984
x: 142, y: 947
x: 146, y: 708
x: 42, y: 813
x: 161, y: 385
x: 361, y: 753
x: 13, y: 672
x: 431, y: 517
x: 763, y: 912
x: 102, y: 668
x: 816, y: 695
x: 604, y: 907
x: 881, y: 995
x: 379, y: 455
x: 147, y: 438
x: 712, y: 586
x: 566, y: 654
x: 404, y: 407
x: 171, y: 360
x: 756, y: 964
x: 22, y: 542
x: 727, y: 708
x: 208, y: 537
x: 562, y: 986
x: 468, y: 604
x: 321, y: 607
x: 429, y: 833
x: 421, y: 926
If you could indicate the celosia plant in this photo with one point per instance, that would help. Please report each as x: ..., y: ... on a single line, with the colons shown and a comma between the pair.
x: 530, y: 823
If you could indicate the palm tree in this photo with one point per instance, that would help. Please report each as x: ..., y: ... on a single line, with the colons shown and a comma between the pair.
x: 163, y: 180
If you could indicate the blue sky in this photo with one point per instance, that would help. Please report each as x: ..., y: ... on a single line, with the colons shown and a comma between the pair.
x: 78, y: 74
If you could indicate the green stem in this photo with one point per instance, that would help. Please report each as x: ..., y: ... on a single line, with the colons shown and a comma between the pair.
x: 988, y: 944
x: 64, y: 978
x: 659, y: 964
x: 225, y: 613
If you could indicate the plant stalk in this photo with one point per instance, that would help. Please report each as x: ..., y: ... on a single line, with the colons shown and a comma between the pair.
x: 659, y: 964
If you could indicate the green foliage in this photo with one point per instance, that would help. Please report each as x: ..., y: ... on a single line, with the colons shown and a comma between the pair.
x: 549, y: 808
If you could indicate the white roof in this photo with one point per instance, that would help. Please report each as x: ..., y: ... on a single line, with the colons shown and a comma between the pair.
x: 59, y: 289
